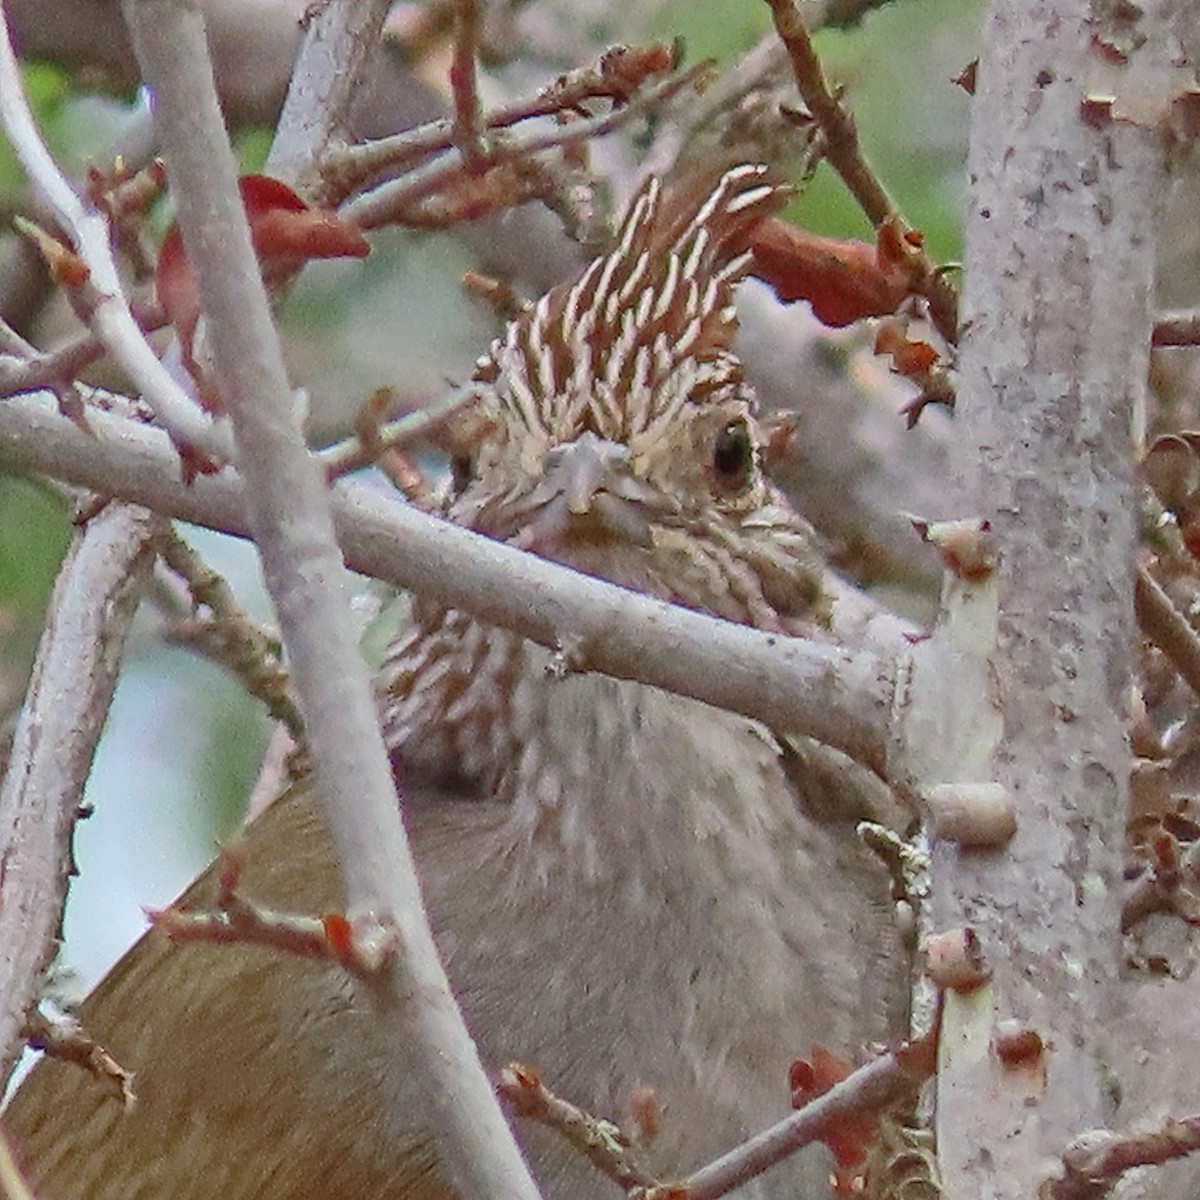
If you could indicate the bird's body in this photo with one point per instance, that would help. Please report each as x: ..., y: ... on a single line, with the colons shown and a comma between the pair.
x: 624, y: 883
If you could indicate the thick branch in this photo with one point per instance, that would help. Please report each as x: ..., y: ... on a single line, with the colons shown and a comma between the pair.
x: 288, y: 509
x: 841, y: 697
x: 1057, y: 322
x: 55, y: 738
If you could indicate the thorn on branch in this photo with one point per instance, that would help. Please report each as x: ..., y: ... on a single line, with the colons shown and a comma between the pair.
x: 976, y: 815
x: 966, y: 547
x: 954, y: 960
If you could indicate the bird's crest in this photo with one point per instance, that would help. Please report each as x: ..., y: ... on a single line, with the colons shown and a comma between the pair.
x: 646, y: 325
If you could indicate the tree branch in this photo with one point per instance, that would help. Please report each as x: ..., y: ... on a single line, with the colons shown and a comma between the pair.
x: 288, y: 509
x: 1094, y: 1161
x: 55, y: 738
x: 341, y: 37
x: 839, y: 696
x: 870, y: 1089
x: 111, y: 320
x: 1167, y: 628
x: 1053, y: 369
x: 844, y: 153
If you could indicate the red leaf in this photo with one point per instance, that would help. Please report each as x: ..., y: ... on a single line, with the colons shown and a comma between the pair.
x: 850, y: 1137
x: 844, y: 281
x: 910, y: 358
x: 286, y: 233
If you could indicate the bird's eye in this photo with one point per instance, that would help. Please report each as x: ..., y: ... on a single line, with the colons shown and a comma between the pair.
x: 733, y: 456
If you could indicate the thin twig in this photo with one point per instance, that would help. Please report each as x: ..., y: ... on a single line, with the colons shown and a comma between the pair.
x: 347, y: 167
x: 870, y: 1089
x: 844, y: 153
x: 66, y: 1040
x: 387, y: 202
x: 1167, y: 628
x: 55, y: 738
x: 469, y: 121
x: 1094, y: 1162
x: 112, y: 321
x: 841, y: 696
x: 56, y: 368
x: 229, y: 638
x: 353, y: 453
x: 289, y: 512
x: 366, y: 947
x: 599, y: 1141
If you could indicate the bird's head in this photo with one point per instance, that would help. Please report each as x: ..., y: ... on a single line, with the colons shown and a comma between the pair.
x: 618, y: 430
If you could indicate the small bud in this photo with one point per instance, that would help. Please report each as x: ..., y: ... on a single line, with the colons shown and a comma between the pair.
x: 374, y: 941
x: 972, y: 814
x: 954, y: 960
x: 1016, y: 1045
x: 967, y: 547
x: 644, y: 1115
x: 1022, y: 1055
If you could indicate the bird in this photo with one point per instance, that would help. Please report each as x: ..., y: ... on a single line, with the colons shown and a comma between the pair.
x: 631, y: 889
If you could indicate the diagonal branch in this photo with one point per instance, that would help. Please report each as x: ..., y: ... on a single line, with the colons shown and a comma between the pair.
x: 844, y: 153
x: 870, y: 1089
x: 112, y: 321
x: 840, y: 696
x: 56, y: 734
x: 340, y: 39
x: 287, y: 504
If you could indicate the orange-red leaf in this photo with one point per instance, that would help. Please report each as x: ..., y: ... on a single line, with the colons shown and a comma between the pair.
x: 910, y: 358
x: 850, y: 1136
x: 843, y: 280
x: 286, y: 233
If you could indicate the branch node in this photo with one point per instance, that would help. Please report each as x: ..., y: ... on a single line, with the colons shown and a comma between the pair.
x: 975, y: 815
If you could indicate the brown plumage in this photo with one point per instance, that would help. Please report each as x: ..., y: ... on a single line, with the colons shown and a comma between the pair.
x: 626, y: 885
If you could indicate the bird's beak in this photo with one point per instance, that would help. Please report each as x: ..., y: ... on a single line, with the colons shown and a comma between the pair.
x: 589, y: 489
